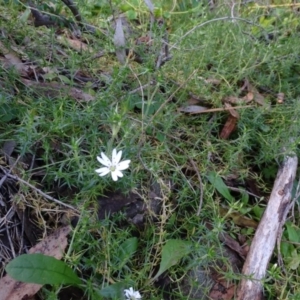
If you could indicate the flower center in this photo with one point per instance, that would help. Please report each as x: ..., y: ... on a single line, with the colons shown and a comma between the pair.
x: 112, y: 168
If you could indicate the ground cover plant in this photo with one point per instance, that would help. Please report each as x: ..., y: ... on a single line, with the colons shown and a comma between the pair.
x: 185, y: 109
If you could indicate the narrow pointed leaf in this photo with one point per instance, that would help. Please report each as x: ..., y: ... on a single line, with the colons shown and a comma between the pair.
x: 219, y: 185
x: 126, y: 250
x: 172, y: 252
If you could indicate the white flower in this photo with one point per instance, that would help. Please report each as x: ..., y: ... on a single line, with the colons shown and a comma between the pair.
x: 113, y: 166
x: 131, y: 294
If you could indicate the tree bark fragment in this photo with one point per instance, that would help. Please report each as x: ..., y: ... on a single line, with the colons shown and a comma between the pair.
x: 263, y: 243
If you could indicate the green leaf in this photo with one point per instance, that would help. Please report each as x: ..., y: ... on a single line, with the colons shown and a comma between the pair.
x: 161, y: 137
x: 294, y: 261
x: 293, y: 232
x: 126, y: 250
x: 113, y: 291
x: 172, y: 252
x: 131, y: 14
x: 258, y: 211
x: 25, y: 15
x: 286, y: 249
x: 41, y: 269
x: 219, y: 185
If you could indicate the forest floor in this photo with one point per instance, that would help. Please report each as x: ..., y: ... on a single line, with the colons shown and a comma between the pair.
x: 203, y: 99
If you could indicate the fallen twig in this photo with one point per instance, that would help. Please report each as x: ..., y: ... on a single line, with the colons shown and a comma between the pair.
x: 50, y: 198
x: 263, y: 243
x: 240, y: 190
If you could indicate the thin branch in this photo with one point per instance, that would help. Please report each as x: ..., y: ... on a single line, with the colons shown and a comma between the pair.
x: 39, y: 191
x: 12, y: 249
x: 242, y: 191
x: 209, y: 110
x: 9, y: 171
x: 73, y: 9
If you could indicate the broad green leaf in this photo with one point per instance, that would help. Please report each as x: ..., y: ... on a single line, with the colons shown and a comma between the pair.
x: 172, y: 252
x: 295, y: 261
x: 126, y: 250
x: 293, y: 232
x: 131, y: 14
x: 219, y: 185
x: 258, y: 211
x: 245, y: 198
x: 41, y: 269
x: 64, y: 79
x: 160, y: 136
x: 286, y: 249
x: 114, y: 291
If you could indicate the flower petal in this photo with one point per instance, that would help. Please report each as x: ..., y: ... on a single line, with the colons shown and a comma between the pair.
x: 116, y: 157
x: 132, y: 294
x: 105, y: 161
x: 115, y: 174
x: 103, y: 171
x: 114, y: 153
x: 129, y: 292
x: 123, y: 165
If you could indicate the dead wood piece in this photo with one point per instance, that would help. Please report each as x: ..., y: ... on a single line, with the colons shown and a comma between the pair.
x: 271, y: 223
x: 73, y: 9
x: 46, y: 20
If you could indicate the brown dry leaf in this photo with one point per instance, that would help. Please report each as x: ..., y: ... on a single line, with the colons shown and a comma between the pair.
x: 53, y: 245
x: 144, y: 40
x: 197, y: 100
x: 239, y: 219
x: 236, y: 100
x: 231, y: 110
x: 221, y: 291
x: 223, y: 288
x: 193, y: 100
x: 11, y: 59
x: 248, y: 98
x: 193, y: 109
x: 73, y: 43
x: 53, y: 89
x: 229, y: 127
x: 258, y: 98
x: 233, y: 245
